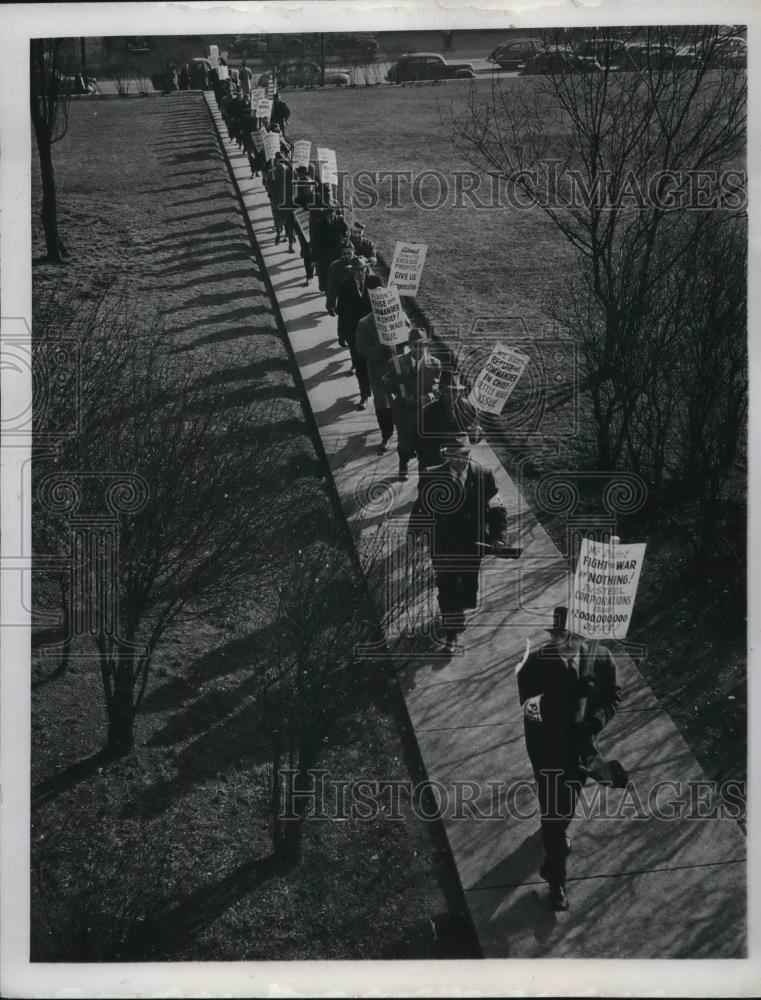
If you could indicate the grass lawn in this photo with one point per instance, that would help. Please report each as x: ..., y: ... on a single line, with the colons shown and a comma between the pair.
x: 501, y: 268
x: 174, y: 837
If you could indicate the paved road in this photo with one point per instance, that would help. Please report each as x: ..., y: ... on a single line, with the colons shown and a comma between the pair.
x: 640, y: 886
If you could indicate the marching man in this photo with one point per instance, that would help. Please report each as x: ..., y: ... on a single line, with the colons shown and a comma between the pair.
x: 469, y: 520
x: 568, y: 692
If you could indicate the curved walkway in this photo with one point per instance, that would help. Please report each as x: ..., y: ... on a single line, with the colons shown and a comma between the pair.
x: 640, y: 886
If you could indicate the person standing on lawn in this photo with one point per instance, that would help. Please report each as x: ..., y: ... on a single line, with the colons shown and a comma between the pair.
x: 446, y: 417
x: 411, y: 379
x: 376, y: 356
x: 461, y: 504
x: 568, y: 692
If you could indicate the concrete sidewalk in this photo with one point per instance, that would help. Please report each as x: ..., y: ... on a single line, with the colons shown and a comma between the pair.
x: 640, y: 886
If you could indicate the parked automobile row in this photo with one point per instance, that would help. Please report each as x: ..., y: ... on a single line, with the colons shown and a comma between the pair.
x: 529, y: 56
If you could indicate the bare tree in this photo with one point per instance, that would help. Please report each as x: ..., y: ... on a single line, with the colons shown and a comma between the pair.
x: 49, y: 93
x: 215, y: 494
x: 611, y: 158
x: 322, y: 611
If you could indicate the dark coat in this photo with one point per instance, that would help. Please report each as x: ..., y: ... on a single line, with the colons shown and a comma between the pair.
x: 460, y: 520
x: 280, y: 113
x: 282, y: 187
x: 376, y: 357
x: 438, y: 427
x: 571, y: 719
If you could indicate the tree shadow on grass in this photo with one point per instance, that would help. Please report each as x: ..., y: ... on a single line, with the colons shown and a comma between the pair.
x: 212, y: 299
x: 242, y: 257
x: 61, y: 781
x: 230, y: 658
x: 176, y: 926
x: 225, y: 334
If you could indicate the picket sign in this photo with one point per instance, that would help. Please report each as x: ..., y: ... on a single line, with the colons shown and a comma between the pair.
x: 271, y: 145
x: 407, y: 267
x: 605, y: 588
x: 325, y: 155
x: 327, y: 174
x: 214, y: 56
x: 259, y: 137
x: 497, y: 378
x: 257, y: 94
x: 301, y: 152
x: 263, y: 107
x: 390, y: 319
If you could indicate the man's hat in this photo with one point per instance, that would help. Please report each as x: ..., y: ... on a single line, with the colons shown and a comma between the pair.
x: 457, y: 445
x: 559, y: 619
x: 345, y: 244
x: 358, y: 262
x: 359, y: 225
x: 274, y: 128
x: 417, y: 336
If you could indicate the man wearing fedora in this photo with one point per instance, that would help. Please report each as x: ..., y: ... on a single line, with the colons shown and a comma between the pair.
x: 411, y: 379
x: 446, y: 417
x: 568, y: 691
x: 348, y: 298
x: 460, y: 501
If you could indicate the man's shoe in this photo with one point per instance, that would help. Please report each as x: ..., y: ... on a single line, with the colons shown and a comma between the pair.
x: 277, y: 238
x: 544, y: 871
x: 342, y: 342
x: 362, y: 404
x: 403, y: 471
x: 291, y: 250
x: 558, y: 898
x: 383, y: 446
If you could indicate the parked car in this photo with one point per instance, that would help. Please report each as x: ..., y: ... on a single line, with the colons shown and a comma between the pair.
x: 304, y: 74
x: 647, y: 55
x: 513, y: 54
x: 350, y: 42
x: 299, y: 44
x: 138, y: 44
x: 731, y: 51
x: 428, y: 66
x: 560, y: 60
x: 605, y: 49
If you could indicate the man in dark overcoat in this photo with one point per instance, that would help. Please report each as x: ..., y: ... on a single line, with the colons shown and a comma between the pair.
x: 411, y: 379
x: 568, y: 691
x: 469, y: 519
x: 446, y: 417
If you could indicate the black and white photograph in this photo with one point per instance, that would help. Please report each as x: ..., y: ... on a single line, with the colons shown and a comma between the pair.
x: 375, y: 529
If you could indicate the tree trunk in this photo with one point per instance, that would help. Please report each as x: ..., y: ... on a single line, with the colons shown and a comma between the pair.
x: 49, y: 202
x: 121, y: 713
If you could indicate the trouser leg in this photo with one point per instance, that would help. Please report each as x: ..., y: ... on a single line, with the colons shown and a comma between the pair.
x: 385, y: 420
x: 360, y: 365
x: 557, y: 803
x: 450, y: 596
